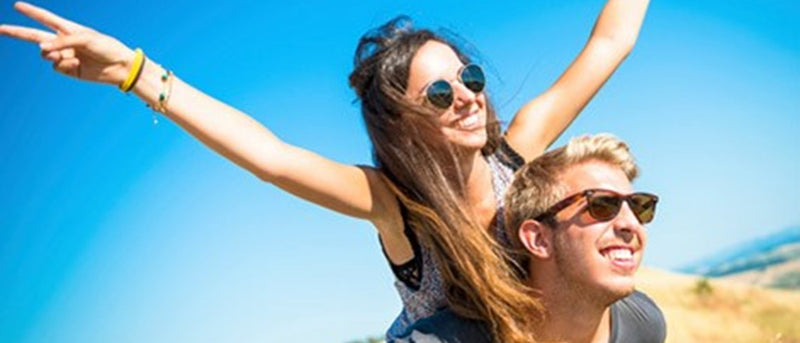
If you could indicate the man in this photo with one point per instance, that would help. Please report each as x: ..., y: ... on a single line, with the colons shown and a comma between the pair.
x: 577, y: 231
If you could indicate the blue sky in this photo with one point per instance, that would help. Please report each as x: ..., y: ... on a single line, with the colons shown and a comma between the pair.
x: 116, y: 230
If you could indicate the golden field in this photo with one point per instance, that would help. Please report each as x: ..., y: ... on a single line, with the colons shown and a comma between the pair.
x: 718, y: 310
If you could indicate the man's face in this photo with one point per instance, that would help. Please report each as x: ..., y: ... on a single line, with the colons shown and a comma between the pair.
x: 598, y: 257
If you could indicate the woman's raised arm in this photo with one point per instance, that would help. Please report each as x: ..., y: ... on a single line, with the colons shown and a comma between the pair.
x: 86, y: 54
x: 539, y: 122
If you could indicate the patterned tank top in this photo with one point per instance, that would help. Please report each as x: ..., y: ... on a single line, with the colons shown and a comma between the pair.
x: 419, y: 281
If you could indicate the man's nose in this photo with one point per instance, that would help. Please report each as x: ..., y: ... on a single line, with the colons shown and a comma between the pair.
x: 626, y: 225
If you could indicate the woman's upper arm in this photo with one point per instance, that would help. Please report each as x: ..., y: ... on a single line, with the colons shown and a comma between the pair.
x: 540, y: 121
x: 356, y: 191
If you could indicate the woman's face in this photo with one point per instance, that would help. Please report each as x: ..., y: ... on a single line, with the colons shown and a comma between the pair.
x: 464, y: 122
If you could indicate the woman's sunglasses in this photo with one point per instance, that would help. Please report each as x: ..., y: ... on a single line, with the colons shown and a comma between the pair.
x: 440, y: 92
x: 604, y: 205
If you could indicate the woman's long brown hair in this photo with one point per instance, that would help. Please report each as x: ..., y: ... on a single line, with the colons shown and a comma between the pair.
x: 423, y: 170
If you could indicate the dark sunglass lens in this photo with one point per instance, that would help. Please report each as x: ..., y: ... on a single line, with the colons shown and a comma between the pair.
x: 644, y: 207
x: 440, y: 94
x: 473, y: 78
x: 604, y: 207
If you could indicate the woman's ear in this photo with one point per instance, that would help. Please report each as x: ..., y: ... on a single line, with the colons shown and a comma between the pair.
x: 536, y: 238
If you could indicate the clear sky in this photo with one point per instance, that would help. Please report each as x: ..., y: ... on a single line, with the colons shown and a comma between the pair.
x: 116, y: 230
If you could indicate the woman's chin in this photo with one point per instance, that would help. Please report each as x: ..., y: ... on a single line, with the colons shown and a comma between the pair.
x: 469, y: 141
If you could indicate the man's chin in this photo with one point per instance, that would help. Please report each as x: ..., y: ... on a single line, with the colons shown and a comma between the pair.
x: 619, y: 290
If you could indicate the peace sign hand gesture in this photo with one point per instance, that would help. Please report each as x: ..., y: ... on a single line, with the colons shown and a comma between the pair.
x: 74, y: 49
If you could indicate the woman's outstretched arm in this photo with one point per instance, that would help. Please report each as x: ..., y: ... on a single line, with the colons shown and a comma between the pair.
x: 539, y: 122
x: 86, y: 54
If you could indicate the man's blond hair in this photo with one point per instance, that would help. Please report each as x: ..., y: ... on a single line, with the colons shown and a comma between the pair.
x: 537, y: 186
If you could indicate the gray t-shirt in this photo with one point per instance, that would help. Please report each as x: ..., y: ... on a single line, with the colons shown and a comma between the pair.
x: 635, y: 319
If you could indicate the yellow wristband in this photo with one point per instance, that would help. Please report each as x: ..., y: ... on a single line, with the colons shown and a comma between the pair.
x: 133, y: 74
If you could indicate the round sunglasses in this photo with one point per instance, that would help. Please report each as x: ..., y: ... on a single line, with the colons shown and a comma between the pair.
x: 440, y: 92
x: 604, y: 205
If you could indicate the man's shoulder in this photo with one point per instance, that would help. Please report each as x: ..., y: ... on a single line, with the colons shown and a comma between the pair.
x: 637, y: 318
x: 445, y: 326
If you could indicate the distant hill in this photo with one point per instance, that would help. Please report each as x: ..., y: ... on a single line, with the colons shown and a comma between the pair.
x: 772, y: 261
x: 698, y: 309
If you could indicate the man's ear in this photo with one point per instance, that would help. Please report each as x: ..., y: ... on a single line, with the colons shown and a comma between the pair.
x: 536, y: 238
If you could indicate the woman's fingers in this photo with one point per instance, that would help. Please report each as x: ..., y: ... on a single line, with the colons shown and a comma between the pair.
x: 56, y: 55
x: 72, y: 47
x: 26, y: 33
x: 78, y: 40
x: 47, y: 18
x: 52, y: 56
x: 68, y: 66
x: 68, y: 53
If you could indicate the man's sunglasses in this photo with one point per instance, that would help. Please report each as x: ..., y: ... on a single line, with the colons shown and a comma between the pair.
x: 604, y: 205
x: 440, y: 92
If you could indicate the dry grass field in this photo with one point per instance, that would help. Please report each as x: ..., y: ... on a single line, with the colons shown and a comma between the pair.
x: 722, y: 310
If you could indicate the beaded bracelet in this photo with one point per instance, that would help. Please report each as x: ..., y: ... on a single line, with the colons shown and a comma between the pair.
x: 166, y: 92
x: 136, y: 70
x: 163, y: 97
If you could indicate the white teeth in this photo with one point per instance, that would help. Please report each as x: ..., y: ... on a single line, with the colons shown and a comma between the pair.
x: 470, y: 120
x: 619, y: 254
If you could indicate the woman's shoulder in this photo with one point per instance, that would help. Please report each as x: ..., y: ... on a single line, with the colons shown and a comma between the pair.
x: 509, y: 157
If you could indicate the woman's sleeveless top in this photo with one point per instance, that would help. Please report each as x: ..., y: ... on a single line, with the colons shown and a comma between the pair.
x: 419, y: 281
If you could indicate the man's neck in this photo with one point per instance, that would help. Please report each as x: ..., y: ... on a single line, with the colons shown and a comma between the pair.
x: 577, y: 327
x: 573, y: 316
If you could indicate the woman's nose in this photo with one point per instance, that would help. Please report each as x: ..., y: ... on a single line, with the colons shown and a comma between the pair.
x: 463, y: 96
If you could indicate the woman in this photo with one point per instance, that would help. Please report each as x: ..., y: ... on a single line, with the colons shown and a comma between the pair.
x: 441, y: 161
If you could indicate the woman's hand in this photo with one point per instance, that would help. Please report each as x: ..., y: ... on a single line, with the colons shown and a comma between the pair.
x: 74, y: 49
x: 86, y: 54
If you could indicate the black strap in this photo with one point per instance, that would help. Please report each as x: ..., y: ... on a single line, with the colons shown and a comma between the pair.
x: 410, y: 272
x: 508, y: 156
